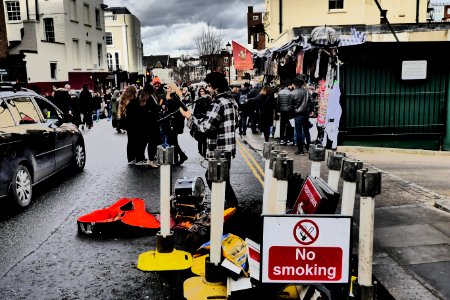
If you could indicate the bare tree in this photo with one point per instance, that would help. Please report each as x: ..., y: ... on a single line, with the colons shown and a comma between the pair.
x: 208, y: 44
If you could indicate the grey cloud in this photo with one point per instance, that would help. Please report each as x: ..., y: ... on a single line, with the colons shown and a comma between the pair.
x: 220, y: 14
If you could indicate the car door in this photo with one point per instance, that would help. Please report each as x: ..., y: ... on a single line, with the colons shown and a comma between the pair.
x: 64, y: 133
x: 37, y: 140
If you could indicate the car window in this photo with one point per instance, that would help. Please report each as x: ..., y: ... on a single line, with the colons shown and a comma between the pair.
x: 6, y: 119
x: 49, y: 111
x: 23, y: 109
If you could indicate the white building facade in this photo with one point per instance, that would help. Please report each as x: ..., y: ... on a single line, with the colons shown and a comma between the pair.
x: 124, y: 46
x: 63, y: 41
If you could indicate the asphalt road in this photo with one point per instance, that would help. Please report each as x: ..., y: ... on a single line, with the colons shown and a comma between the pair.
x: 43, y: 257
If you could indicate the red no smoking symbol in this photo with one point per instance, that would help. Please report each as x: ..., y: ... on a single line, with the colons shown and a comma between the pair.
x: 306, y: 232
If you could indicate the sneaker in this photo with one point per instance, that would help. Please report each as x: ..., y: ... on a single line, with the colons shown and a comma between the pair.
x: 132, y: 162
x: 140, y: 163
x: 290, y: 143
x: 282, y: 143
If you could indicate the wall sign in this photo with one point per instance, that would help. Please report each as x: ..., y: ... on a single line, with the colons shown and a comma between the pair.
x: 414, y: 69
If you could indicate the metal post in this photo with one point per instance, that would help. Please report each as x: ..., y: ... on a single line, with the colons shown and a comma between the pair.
x: 348, y: 174
x: 334, y: 163
x: 368, y: 186
x: 165, y: 159
x: 316, y: 155
x: 282, y: 172
x: 268, y: 147
x: 218, y: 172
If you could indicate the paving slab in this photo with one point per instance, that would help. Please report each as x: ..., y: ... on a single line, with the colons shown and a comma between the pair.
x: 436, y: 276
x: 409, y: 235
x: 444, y: 227
x: 409, y: 215
x: 421, y: 254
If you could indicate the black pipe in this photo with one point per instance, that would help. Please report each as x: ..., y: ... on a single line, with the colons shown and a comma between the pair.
x: 36, y: 9
x: 385, y: 17
x: 28, y: 10
x: 281, y: 16
x: 417, y: 11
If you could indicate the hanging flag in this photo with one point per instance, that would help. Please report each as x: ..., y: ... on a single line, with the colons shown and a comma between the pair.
x: 242, y: 57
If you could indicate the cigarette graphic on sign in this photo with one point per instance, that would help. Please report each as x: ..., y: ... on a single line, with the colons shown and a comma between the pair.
x: 306, y: 232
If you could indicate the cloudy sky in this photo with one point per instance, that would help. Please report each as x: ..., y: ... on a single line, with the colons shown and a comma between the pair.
x: 170, y: 26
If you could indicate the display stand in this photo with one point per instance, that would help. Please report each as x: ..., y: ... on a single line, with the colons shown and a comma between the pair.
x: 348, y: 174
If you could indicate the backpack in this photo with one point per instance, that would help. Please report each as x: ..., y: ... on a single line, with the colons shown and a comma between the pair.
x: 243, y: 99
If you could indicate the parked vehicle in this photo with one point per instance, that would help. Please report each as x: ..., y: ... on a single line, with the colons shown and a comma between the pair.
x: 36, y: 141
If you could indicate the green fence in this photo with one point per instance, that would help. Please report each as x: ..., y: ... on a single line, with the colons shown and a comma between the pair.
x: 381, y: 109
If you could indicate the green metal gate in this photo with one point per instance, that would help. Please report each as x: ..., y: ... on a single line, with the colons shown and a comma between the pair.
x: 381, y: 109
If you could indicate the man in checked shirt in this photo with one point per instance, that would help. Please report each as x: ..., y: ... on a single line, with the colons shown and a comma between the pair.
x: 219, y: 125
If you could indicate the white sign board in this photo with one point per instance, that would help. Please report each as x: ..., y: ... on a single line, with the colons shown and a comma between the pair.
x: 306, y: 249
x: 414, y: 69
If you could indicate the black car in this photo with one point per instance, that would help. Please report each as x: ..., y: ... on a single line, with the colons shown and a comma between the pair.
x: 36, y: 141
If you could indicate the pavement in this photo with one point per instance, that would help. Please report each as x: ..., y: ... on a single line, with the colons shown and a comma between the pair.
x: 411, y: 258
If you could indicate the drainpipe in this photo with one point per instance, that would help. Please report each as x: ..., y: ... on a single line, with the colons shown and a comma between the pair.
x: 417, y: 11
x: 125, y: 27
x: 28, y: 10
x: 36, y: 7
x: 281, y: 16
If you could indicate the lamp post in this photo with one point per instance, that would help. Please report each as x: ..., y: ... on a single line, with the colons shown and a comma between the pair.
x: 229, y: 62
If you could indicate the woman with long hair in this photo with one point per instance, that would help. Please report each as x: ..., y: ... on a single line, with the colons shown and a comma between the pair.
x: 201, y: 106
x: 174, y: 124
x: 149, y: 102
x: 129, y: 117
x: 265, y: 105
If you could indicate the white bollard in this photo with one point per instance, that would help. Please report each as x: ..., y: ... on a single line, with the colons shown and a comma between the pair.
x: 282, y: 172
x: 218, y: 172
x: 348, y: 174
x: 316, y: 156
x: 272, y: 193
x: 334, y: 163
x: 165, y: 158
x: 268, y: 147
x: 368, y: 185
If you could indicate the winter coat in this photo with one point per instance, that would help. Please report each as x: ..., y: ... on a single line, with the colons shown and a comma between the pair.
x: 86, y: 104
x: 300, y: 102
x: 62, y: 100
x: 284, y: 100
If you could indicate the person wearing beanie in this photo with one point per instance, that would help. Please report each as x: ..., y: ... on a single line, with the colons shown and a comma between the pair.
x: 219, y: 125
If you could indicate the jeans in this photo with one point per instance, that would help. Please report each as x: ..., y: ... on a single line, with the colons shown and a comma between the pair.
x: 302, y: 128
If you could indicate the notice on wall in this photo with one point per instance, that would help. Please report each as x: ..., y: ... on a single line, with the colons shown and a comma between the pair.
x: 414, y: 69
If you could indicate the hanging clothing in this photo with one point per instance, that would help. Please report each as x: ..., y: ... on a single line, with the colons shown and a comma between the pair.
x: 333, y: 116
x: 300, y: 58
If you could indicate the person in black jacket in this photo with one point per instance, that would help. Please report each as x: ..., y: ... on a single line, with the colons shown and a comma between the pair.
x: 62, y: 98
x: 284, y: 108
x: 150, y: 104
x: 201, y: 106
x: 174, y: 123
x: 265, y: 103
x: 86, y: 106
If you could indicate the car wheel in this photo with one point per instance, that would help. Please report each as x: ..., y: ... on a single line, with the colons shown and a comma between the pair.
x: 79, y: 159
x: 22, y: 189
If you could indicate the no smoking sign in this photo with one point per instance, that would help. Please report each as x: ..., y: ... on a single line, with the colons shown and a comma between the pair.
x: 306, y: 249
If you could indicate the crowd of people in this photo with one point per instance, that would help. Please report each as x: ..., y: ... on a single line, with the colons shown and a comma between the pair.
x: 156, y: 114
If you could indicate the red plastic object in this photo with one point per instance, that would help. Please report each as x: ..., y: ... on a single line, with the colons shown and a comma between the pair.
x: 126, y: 211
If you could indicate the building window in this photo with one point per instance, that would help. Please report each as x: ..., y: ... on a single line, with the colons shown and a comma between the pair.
x: 49, y: 30
x: 99, y: 54
x: 255, y: 18
x: 87, y: 17
x: 108, y: 38
x: 73, y: 10
x: 13, y: 10
x: 109, y: 61
x: 53, y: 68
x: 88, y: 55
x: 75, y: 54
x: 335, y: 4
x: 117, y: 61
x: 97, y: 19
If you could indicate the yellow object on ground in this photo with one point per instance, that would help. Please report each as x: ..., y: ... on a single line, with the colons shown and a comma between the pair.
x: 156, y: 261
x: 197, y: 288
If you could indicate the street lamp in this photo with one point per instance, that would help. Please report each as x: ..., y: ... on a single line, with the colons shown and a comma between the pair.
x: 229, y: 61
